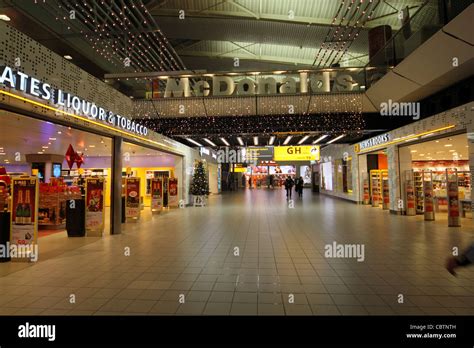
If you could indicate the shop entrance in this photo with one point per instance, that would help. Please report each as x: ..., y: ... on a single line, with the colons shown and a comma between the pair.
x: 433, y: 166
x: 374, y: 179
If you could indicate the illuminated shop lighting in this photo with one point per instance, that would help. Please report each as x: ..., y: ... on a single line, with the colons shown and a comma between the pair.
x: 287, y: 140
x: 272, y: 140
x: 303, y: 139
x: 209, y: 142
x: 320, y: 138
x: 241, y: 142
x: 193, y: 142
x: 336, y: 139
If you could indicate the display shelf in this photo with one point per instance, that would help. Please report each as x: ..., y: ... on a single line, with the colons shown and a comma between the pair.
x: 418, y: 179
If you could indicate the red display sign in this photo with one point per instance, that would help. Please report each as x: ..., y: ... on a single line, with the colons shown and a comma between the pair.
x: 132, y: 192
x: 95, y: 205
x: 173, y: 191
x: 24, y: 211
x: 156, y: 194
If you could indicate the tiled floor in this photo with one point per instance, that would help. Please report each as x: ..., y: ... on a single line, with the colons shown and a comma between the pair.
x: 184, y: 262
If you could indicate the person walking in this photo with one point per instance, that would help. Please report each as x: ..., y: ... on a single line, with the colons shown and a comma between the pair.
x: 289, y: 186
x: 299, y: 187
x: 465, y: 259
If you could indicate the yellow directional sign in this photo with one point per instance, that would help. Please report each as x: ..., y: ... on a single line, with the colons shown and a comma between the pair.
x: 296, y: 153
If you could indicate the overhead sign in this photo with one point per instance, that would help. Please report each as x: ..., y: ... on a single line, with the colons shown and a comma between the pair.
x: 296, y: 153
x: 32, y: 86
x: 293, y: 83
x: 378, y: 140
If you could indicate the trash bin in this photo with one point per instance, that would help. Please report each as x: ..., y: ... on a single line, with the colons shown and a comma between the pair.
x: 76, y: 218
x: 4, y: 235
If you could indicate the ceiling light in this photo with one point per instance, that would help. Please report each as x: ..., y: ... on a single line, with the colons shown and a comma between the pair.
x: 225, y: 141
x: 414, y: 151
x: 320, y: 138
x: 59, y: 132
x: 336, y: 139
x: 303, y: 139
x: 422, y: 154
x: 452, y: 150
x: 5, y: 18
x: 2, y: 153
x: 49, y: 143
x: 39, y: 153
x: 287, y: 140
x: 68, y: 57
x: 448, y: 145
x: 52, y: 138
x: 209, y: 142
x: 241, y: 142
x: 193, y: 141
x: 91, y: 145
x: 255, y: 140
x: 272, y: 140
x: 44, y: 147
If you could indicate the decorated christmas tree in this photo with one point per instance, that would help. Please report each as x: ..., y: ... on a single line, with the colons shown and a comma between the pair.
x: 200, y: 184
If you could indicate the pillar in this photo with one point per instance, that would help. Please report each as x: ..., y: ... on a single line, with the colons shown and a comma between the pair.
x: 116, y: 187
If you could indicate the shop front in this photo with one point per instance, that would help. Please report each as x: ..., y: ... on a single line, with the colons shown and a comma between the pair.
x: 424, y: 168
x: 71, y: 161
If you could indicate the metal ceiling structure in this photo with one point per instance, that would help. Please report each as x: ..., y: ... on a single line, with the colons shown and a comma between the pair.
x: 275, y: 34
x: 152, y: 36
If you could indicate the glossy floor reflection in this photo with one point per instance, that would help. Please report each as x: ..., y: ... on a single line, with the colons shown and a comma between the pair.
x: 248, y: 253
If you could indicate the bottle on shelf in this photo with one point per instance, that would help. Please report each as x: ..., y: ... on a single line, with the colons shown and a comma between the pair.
x: 27, y: 209
x: 19, y: 209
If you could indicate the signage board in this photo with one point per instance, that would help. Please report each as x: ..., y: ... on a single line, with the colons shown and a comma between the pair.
x: 156, y: 194
x: 173, y: 192
x: 296, y: 153
x: 24, y: 215
x: 34, y: 87
x: 378, y: 140
x: 298, y: 82
x: 95, y: 216
x: 132, y: 192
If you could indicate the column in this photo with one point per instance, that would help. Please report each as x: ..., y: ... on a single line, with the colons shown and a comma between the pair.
x: 116, y: 187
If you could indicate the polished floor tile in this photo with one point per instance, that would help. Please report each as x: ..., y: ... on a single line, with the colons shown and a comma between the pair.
x: 248, y: 253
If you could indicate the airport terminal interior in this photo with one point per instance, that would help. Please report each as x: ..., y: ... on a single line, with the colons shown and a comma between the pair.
x: 242, y: 157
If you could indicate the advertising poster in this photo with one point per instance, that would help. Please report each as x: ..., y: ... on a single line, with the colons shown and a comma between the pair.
x: 165, y: 192
x: 132, y: 194
x: 156, y: 194
x: 95, y: 206
x: 173, y: 192
x: 24, y: 216
x: 305, y: 173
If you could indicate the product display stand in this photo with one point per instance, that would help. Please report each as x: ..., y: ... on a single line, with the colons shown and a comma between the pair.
x: 418, y: 186
x: 428, y: 196
x: 366, y: 197
x: 375, y: 187
x: 385, y: 190
x: 454, y: 219
x: 409, y: 204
